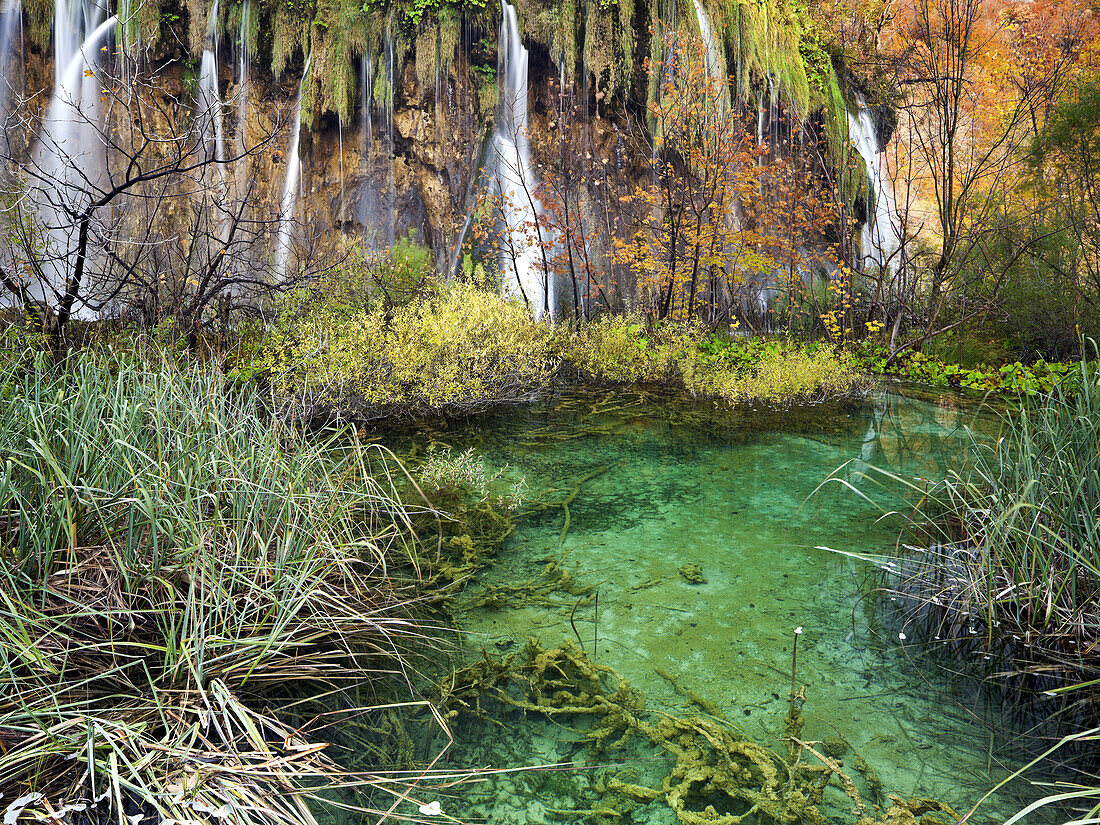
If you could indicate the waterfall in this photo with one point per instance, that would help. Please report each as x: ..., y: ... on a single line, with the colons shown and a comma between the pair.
x: 340, y: 133
x: 69, y: 138
x: 880, y: 236
x: 387, y: 120
x: 243, y: 58
x: 714, y: 60
x: 366, y: 83
x: 522, y: 260
x: 209, y: 102
x: 11, y: 16
x: 289, y: 201
x: 375, y: 194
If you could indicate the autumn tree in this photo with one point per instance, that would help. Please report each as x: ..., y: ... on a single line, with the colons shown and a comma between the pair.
x: 962, y: 123
x: 684, y: 242
x: 568, y: 173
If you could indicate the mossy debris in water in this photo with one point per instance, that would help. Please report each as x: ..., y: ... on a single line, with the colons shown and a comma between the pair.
x: 712, y: 774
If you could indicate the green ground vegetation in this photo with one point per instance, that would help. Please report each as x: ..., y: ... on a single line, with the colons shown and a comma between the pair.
x: 460, y: 349
x: 181, y: 577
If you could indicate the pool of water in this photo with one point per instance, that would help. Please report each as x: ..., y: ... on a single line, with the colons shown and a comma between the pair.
x: 704, y: 533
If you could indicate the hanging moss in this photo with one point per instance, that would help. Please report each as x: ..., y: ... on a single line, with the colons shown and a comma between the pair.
x: 600, y: 51
x: 290, y: 36
x: 38, y: 17
x: 338, y: 35
x: 450, y: 37
x: 381, y: 92
x: 627, y: 42
x: 138, y: 28
x: 763, y: 40
x: 233, y: 26
x: 566, y: 45
x: 656, y: 57
x: 427, y: 58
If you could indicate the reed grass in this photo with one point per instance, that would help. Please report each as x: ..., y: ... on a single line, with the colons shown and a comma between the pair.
x: 1000, y: 560
x: 173, y: 560
x: 1022, y: 523
x: 1010, y: 537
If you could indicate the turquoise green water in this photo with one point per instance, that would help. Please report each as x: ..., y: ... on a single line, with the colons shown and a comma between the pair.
x: 660, y: 487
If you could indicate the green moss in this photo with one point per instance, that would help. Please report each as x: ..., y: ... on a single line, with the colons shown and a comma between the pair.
x: 38, y: 15
x: 290, y: 36
x: 850, y: 170
x: 600, y: 51
x: 764, y: 40
x: 426, y: 57
x: 382, y: 90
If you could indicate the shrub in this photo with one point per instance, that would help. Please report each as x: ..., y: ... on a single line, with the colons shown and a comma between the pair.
x: 461, y: 350
x: 624, y: 349
x: 778, y: 373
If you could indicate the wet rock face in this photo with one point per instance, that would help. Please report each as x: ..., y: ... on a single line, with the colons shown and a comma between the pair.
x: 401, y: 168
x: 421, y: 192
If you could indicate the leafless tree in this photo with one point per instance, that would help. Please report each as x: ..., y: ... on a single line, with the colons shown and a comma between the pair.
x: 125, y: 206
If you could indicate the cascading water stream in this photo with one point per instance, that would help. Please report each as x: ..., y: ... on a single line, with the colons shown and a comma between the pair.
x: 366, y: 83
x: 880, y: 236
x: 522, y: 263
x: 340, y: 133
x: 65, y: 153
x: 243, y: 58
x: 289, y: 201
x: 390, y: 205
x: 209, y: 102
x: 714, y: 62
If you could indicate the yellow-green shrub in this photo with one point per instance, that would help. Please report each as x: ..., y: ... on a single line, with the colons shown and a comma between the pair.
x: 466, y: 348
x: 621, y: 348
x: 462, y: 347
x: 780, y: 374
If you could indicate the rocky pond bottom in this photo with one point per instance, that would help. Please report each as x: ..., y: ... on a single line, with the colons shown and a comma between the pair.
x: 681, y: 548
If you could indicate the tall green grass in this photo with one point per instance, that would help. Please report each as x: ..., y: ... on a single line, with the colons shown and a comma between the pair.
x: 171, y: 559
x: 1010, y: 537
x: 1023, y: 520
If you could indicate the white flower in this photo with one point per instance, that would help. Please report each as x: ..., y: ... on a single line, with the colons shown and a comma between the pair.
x: 432, y: 808
x: 902, y: 636
x: 798, y: 631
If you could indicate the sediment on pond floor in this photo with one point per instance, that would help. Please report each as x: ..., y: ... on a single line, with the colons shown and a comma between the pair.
x: 708, y: 772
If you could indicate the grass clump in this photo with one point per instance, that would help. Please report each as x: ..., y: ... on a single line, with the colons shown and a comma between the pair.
x: 1008, y: 542
x: 1022, y: 524
x: 175, y: 566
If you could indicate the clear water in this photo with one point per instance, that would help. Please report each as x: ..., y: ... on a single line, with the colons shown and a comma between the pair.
x: 734, y: 494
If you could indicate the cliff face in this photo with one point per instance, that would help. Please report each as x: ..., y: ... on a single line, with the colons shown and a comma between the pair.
x: 400, y: 103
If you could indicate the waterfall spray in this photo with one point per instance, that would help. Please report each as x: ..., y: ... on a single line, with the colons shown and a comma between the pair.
x: 11, y: 15
x: 391, y: 187
x: 714, y: 61
x: 289, y: 201
x: 243, y: 58
x: 209, y: 101
x: 522, y: 263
